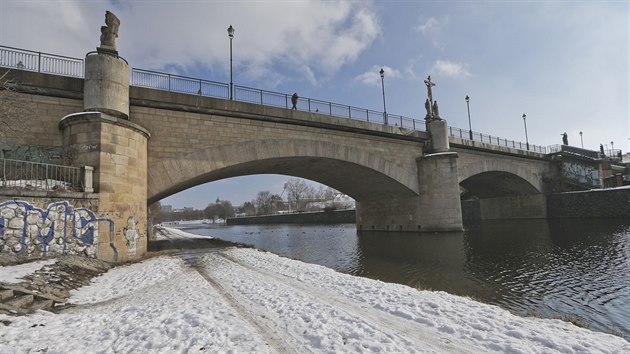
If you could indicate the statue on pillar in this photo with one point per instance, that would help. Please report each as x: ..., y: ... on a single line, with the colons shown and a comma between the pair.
x: 430, y: 105
x: 109, y: 33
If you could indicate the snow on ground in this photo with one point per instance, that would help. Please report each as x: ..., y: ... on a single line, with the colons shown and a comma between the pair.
x: 169, y: 233
x: 14, y: 274
x: 244, y: 300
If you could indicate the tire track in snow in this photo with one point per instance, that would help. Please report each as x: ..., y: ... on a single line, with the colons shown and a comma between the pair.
x: 275, y: 340
x: 394, y: 326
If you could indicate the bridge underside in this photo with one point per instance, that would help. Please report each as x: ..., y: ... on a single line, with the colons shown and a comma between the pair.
x: 503, y: 195
x: 495, y: 184
x: 359, y: 182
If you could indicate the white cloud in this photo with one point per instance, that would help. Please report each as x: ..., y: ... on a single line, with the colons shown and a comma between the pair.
x: 372, y: 77
x: 433, y: 28
x: 292, y: 36
x: 428, y: 26
x: 450, y: 69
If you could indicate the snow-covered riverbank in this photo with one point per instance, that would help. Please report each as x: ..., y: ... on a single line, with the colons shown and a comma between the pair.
x: 243, y: 300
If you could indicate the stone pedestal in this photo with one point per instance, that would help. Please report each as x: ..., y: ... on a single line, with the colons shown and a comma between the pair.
x: 106, y: 84
x: 439, y: 135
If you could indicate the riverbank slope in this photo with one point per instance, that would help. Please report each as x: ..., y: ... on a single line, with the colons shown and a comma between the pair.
x: 244, y: 300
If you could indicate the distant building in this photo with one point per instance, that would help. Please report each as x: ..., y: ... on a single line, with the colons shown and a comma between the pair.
x: 167, y: 209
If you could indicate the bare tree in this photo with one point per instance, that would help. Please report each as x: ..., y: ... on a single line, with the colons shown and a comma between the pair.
x: 264, y: 203
x: 298, y: 192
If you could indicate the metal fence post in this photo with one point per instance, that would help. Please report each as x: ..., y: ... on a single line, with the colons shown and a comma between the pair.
x: 39, y: 62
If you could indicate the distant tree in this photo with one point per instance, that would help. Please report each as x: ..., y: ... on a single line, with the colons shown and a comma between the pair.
x: 248, y: 209
x: 220, y: 209
x: 155, y: 213
x: 298, y: 193
x: 264, y: 203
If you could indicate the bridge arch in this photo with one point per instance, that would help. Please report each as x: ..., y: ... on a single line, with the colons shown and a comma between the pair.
x: 497, y: 178
x: 359, y: 173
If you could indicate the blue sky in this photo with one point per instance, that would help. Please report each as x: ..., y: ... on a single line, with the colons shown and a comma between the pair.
x: 563, y: 63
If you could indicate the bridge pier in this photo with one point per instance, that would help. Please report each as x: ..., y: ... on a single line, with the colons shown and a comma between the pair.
x: 103, y: 137
x: 436, y: 208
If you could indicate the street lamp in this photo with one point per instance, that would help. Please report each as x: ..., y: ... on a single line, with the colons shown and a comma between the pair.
x: 526, y: 139
x: 469, y: 125
x: 612, y: 148
x: 382, y: 72
x: 231, y: 35
x: 581, y: 141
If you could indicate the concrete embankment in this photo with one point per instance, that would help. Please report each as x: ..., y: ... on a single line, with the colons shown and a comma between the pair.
x: 597, y: 203
x: 320, y: 217
x: 604, y: 203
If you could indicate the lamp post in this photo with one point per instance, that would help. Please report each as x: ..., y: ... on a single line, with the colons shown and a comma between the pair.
x: 382, y: 72
x: 526, y: 139
x: 581, y: 141
x: 469, y: 124
x: 612, y: 149
x: 230, y: 31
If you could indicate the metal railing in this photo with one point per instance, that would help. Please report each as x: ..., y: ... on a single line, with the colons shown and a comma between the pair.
x: 60, y: 65
x: 305, y: 104
x: 495, y: 140
x: 39, y: 176
x: 574, y: 150
x: 40, y: 62
x: 177, y: 83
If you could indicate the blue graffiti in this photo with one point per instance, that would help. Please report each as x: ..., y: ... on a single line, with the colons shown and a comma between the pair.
x: 81, y: 221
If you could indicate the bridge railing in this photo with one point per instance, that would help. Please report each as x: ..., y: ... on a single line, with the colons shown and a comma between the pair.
x: 67, y: 66
x: 495, y: 140
x: 178, y: 83
x: 40, y: 62
x: 39, y: 176
x: 283, y: 100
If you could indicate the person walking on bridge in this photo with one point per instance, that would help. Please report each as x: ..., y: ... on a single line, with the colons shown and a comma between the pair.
x: 294, y: 100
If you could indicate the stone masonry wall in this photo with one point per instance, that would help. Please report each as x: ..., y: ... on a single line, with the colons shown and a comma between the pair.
x: 35, y: 227
x: 603, y: 203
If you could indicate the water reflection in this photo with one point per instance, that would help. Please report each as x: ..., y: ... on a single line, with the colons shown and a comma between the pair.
x: 571, y: 268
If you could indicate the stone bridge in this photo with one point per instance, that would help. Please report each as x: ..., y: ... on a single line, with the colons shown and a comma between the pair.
x: 146, y: 144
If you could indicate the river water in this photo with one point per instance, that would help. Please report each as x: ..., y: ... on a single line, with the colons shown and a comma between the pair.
x: 573, y: 269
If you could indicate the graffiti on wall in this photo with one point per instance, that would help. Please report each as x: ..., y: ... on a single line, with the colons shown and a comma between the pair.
x: 581, y: 173
x: 58, y: 229
x: 131, y: 236
x: 33, y: 153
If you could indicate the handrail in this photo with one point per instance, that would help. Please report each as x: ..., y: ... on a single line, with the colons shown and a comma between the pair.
x: 495, y: 140
x: 39, y: 176
x: 178, y: 83
x: 68, y: 66
x: 40, y: 62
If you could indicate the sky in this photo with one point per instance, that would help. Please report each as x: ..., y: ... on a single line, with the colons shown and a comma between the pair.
x: 562, y: 63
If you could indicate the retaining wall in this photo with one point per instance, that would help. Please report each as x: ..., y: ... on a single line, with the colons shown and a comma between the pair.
x: 322, y: 217
x: 602, y: 203
x: 40, y: 225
